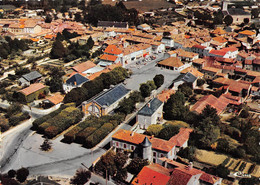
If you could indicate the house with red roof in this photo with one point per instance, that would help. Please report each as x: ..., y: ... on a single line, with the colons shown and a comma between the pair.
x: 210, y: 72
x: 170, y: 172
x: 33, y: 92
x: 219, y: 104
x: 150, y: 147
x: 152, y: 174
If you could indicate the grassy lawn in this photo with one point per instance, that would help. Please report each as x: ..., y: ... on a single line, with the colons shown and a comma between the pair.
x: 178, y: 123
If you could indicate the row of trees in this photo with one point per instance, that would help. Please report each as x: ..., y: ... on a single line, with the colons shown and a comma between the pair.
x: 93, y: 87
x: 73, y: 51
x: 96, y: 11
x: 12, y: 46
x: 15, y: 177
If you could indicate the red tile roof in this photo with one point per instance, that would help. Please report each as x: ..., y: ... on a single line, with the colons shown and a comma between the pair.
x: 217, y: 52
x: 109, y: 57
x: 211, y: 69
x: 179, y: 177
x: 56, y: 98
x: 159, y: 144
x: 112, y: 49
x: 152, y: 174
x: 211, y: 100
x: 32, y: 88
x: 220, y: 39
x: 171, y: 62
x: 247, y: 32
x: 83, y: 66
x: 231, y: 49
x: 199, y: 46
x: 165, y: 95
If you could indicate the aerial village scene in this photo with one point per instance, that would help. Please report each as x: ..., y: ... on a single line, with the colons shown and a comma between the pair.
x: 129, y: 92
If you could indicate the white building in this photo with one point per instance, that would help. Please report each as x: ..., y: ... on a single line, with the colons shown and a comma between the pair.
x: 150, y: 113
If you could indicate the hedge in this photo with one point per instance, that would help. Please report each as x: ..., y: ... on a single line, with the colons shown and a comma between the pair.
x: 69, y: 137
x: 43, y: 119
x: 98, y: 135
x: 16, y: 119
x: 252, y: 168
x: 63, y: 118
x: 81, y: 136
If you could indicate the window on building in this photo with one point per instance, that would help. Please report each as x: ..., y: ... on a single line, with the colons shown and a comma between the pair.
x: 154, y: 154
x: 154, y: 160
x: 124, y: 145
x: 117, y: 144
x: 132, y: 147
x: 162, y: 155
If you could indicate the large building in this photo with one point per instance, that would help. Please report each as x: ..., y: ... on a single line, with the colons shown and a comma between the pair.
x: 150, y: 147
x: 106, y: 101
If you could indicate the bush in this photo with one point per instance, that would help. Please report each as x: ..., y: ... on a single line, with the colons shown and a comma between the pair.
x: 136, y: 165
x: 252, y: 168
x: 22, y: 174
x: 200, y: 82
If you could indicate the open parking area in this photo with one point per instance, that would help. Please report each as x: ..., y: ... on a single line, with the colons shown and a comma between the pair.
x: 144, y: 72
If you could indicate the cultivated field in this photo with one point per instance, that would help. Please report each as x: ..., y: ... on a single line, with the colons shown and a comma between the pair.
x: 209, y: 157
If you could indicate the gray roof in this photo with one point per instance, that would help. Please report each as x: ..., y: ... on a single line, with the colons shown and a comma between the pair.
x: 112, y: 95
x: 150, y: 107
x: 237, y: 11
x: 146, y: 142
x: 112, y: 24
x: 32, y: 76
x: 77, y: 79
x: 41, y: 180
x: 188, y: 77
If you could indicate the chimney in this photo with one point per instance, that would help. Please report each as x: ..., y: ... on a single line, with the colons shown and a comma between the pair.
x: 75, y: 83
x: 132, y: 133
x: 148, y: 105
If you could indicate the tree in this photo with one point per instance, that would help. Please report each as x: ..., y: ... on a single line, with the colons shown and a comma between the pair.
x: 57, y: 50
x: 136, y: 165
x: 251, y: 181
x: 206, y: 133
x: 211, y: 113
x: 158, y: 80
x: 223, y: 145
x: 246, y: 21
x: 168, y: 131
x: 174, y: 108
x: 145, y: 90
x: 187, y: 153
x: 228, y: 20
x: 22, y: 174
x: 120, y: 159
x: 255, y: 12
x: 222, y: 171
x: 48, y: 18
x: 81, y: 177
x: 186, y: 89
x: 90, y: 43
x: 14, y: 108
x: 46, y: 145
x: 218, y: 17
x: 11, y: 173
